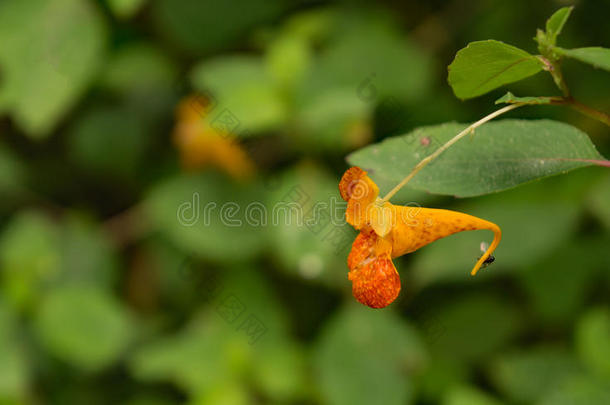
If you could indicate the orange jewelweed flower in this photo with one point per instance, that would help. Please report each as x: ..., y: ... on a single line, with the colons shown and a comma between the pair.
x: 388, y: 231
x: 200, y: 144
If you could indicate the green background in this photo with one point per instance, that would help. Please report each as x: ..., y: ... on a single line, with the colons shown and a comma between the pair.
x: 107, y: 298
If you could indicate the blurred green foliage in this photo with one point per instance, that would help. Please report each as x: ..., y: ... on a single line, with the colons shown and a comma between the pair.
x: 118, y: 286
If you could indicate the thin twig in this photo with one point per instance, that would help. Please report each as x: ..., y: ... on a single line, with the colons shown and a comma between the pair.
x: 586, y: 110
x: 448, y: 144
x: 554, y: 68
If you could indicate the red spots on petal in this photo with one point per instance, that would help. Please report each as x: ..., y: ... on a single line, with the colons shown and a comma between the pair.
x: 362, y: 248
x: 375, y: 282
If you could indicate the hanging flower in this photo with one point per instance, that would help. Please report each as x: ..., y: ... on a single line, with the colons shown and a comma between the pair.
x: 388, y: 231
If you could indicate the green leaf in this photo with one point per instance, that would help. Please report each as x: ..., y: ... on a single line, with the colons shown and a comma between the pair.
x: 593, y: 341
x: 598, y: 201
x: 362, y: 357
x: 526, y: 376
x: 288, y: 58
x: 206, y: 354
x: 502, y: 155
x: 88, y: 257
x: 215, y: 348
x: 581, y: 390
x: 138, y: 67
x: 225, y: 393
x: 188, y: 210
x: 243, y: 89
x: 29, y: 256
x: 465, y: 395
x: 510, y: 98
x: 51, y: 51
x: 281, y: 372
x: 442, y: 373
x: 596, y: 56
x: 108, y: 142
x: 311, y: 240
x: 37, y: 255
x: 144, y: 398
x: 12, y: 173
x: 312, y: 25
x: 498, y: 323
x: 202, y: 26
x: 125, y: 8
x: 486, y: 65
x: 336, y: 120
x: 335, y: 101
x: 84, y: 327
x: 372, y: 59
x: 14, y: 373
x: 555, y: 23
x: 544, y: 284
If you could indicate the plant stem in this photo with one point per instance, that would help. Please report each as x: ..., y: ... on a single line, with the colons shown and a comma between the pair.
x: 553, y: 67
x: 586, y: 110
x: 446, y: 146
x: 559, y: 80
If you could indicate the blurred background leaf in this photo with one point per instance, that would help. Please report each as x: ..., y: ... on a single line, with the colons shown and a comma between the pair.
x: 84, y: 327
x: 309, y: 238
x: 108, y: 142
x: 363, y: 357
x: 593, y: 341
x: 125, y: 8
x: 498, y: 323
x: 51, y: 52
x: 527, y: 376
x: 469, y: 396
x: 30, y: 254
x: 14, y: 373
x: 205, y: 26
x: 242, y: 88
x: 183, y: 209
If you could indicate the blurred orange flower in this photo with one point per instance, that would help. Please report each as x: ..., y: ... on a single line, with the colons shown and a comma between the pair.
x: 388, y: 231
x: 201, y: 145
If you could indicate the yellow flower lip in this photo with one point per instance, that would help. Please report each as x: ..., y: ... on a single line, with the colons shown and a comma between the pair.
x: 388, y: 231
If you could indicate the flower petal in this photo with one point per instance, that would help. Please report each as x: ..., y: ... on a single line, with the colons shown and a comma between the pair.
x: 416, y: 227
x: 375, y: 281
x: 201, y: 145
x: 388, y: 231
x: 360, y: 192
